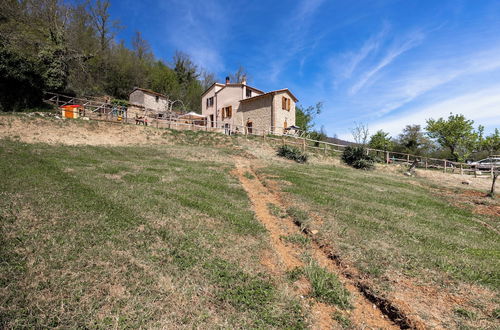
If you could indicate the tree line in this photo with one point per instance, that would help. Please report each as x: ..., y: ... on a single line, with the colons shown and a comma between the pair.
x: 71, y: 48
x: 453, y: 138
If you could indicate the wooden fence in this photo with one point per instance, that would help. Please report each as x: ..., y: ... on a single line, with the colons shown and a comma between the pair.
x: 98, y: 110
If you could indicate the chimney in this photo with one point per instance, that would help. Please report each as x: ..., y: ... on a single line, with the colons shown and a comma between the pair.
x: 227, y: 80
x: 244, y: 80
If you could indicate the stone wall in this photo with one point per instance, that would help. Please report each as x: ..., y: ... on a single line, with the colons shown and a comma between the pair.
x: 148, y: 101
x: 258, y: 112
x: 281, y: 115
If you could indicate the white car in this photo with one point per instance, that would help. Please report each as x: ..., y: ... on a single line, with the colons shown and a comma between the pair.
x: 487, y: 163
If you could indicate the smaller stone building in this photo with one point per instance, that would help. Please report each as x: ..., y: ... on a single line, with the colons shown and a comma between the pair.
x: 146, y: 102
x: 238, y: 107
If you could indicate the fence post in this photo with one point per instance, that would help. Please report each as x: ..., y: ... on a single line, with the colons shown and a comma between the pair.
x: 303, y: 145
x: 408, y: 158
x: 445, y: 166
x: 324, y: 144
x: 426, y: 163
x: 387, y: 157
x: 491, y: 171
x: 461, y: 169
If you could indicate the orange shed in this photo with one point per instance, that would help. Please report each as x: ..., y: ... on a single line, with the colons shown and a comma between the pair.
x: 70, y: 110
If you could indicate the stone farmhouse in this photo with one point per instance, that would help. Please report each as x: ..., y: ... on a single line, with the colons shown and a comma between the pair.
x: 236, y: 107
x: 143, y: 100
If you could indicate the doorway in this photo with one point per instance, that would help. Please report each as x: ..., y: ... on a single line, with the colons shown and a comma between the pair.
x: 249, y: 127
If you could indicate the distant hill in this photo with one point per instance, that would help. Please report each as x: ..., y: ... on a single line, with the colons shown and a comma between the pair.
x: 338, y: 141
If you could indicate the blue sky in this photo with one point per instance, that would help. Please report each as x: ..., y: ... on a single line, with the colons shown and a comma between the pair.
x: 385, y: 63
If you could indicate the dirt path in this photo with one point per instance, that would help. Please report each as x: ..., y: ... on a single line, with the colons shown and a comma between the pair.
x: 364, y: 314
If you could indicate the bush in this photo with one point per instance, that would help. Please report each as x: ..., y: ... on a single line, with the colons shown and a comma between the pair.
x: 292, y: 153
x: 356, y: 157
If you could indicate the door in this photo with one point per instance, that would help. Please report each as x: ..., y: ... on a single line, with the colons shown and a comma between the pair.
x: 227, y: 129
x: 249, y: 127
x: 211, y: 120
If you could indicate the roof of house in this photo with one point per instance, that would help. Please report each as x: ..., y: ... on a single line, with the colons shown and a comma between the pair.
x: 271, y: 93
x: 148, y: 91
x: 229, y: 85
x: 209, y: 88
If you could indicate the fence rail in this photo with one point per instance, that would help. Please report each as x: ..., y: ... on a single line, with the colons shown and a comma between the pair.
x: 94, y: 109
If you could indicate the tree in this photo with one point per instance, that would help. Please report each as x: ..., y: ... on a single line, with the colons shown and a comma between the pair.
x: 413, y: 141
x: 239, y: 76
x: 102, y: 22
x: 141, y: 47
x: 456, y: 134
x: 360, y: 133
x: 491, y: 143
x: 304, y: 116
x: 184, y: 68
x: 381, y: 141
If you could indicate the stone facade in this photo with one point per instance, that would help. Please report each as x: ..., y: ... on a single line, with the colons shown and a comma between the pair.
x: 248, y: 106
x: 148, y: 100
x: 283, y: 118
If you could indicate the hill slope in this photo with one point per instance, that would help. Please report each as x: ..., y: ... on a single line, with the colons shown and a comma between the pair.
x: 182, y: 229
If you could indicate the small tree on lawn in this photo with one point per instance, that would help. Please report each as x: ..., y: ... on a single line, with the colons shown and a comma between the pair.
x: 381, y: 140
x: 455, y: 133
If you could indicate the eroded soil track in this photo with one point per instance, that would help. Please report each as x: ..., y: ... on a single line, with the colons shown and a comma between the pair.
x: 364, y: 314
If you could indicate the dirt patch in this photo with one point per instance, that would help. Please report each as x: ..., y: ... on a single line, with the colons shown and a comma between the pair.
x: 364, y: 314
x: 77, y: 132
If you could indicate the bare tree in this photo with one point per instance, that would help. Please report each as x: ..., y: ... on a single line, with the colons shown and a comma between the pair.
x: 239, y: 76
x: 360, y: 133
x: 103, y: 24
x: 141, y: 47
x: 495, y: 176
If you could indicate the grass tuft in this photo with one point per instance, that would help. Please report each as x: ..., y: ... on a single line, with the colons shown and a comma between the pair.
x: 326, y: 287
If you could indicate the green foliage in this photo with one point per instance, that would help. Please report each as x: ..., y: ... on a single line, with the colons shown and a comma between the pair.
x: 67, y: 47
x: 455, y: 133
x: 413, y: 141
x: 357, y: 157
x: 21, y: 83
x: 381, y: 141
x: 304, y: 116
x: 491, y: 143
x: 292, y: 153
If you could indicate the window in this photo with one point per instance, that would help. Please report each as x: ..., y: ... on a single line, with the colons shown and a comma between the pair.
x: 157, y: 98
x: 285, y: 103
x: 249, y: 92
x: 210, y: 102
x: 227, y: 112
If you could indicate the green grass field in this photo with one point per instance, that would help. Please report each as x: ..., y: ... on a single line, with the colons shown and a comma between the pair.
x: 131, y: 237
x: 393, y: 226
x: 163, y: 236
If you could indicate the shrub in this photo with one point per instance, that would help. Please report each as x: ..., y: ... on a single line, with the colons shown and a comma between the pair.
x: 292, y: 153
x: 356, y: 157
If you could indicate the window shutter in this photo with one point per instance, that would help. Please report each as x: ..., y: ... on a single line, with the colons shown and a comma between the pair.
x: 283, y: 102
x: 230, y: 110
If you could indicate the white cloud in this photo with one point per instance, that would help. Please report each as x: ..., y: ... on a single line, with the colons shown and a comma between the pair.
x: 349, y: 62
x: 395, y: 51
x: 483, y: 107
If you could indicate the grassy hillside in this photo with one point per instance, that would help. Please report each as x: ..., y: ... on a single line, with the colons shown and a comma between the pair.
x: 400, y: 234
x: 164, y: 229
x: 130, y: 237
